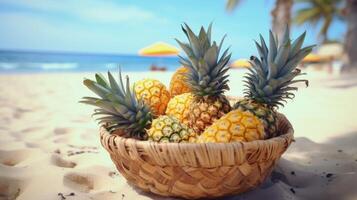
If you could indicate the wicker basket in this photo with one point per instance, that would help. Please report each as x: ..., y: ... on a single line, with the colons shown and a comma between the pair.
x: 197, y: 170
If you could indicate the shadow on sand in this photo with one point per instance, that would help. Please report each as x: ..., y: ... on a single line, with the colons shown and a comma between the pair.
x: 312, y: 170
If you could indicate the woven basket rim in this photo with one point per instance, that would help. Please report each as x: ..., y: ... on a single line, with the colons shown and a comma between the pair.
x: 288, y: 133
x: 146, y: 142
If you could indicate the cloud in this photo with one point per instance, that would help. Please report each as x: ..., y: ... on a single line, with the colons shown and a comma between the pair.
x: 84, y: 26
x: 25, y: 31
x: 116, y: 14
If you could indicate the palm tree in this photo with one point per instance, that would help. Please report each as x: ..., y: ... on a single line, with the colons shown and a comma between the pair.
x: 351, y: 36
x: 316, y: 11
x: 281, y: 14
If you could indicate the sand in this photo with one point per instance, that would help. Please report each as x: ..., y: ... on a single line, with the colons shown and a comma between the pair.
x: 49, y: 146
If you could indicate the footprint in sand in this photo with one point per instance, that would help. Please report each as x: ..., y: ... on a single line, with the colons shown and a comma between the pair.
x: 89, y: 180
x: 61, y: 162
x: 19, y: 112
x: 17, y: 157
x: 61, y: 131
x: 79, y: 181
x: 31, y: 129
x: 10, y: 188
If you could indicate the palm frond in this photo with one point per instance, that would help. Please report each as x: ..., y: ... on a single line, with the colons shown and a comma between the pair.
x: 232, y: 4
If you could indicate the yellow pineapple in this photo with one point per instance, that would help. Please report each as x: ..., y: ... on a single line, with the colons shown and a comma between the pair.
x: 236, y: 125
x: 170, y: 129
x: 113, y: 101
x: 178, y: 83
x: 270, y: 81
x: 207, y: 77
x: 154, y: 94
x: 179, y: 107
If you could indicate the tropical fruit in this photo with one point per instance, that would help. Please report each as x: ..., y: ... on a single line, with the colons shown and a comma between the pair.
x: 118, y: 107
x: 124, y: 114
x: 262, y: 111
x: 170, y: 129
x: 154, y: 93
x: 269, y: 81
x: 206, y: 78
x: 236, y: 125
x: 178, y: 83
x: 179, y: 107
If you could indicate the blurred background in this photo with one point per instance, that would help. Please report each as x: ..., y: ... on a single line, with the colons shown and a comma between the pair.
x: 94, y: 35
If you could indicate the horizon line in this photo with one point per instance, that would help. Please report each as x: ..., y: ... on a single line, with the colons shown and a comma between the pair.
x: 73, y: 53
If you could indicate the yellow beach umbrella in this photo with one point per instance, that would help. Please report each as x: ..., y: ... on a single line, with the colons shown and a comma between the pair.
x: 241, y: 63
x: 159, y: 49
x: 313, y: 58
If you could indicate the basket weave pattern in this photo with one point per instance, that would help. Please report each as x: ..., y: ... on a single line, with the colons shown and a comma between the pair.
x: 197, y: 170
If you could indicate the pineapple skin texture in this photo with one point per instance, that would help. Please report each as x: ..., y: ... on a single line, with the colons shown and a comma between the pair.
x: 235, y: 126
x: 264, y: 113
x: 153, y: 93
x: 166, y: 129
x: 178, y: 84
x: 179, y: 107
x: 206, y: 110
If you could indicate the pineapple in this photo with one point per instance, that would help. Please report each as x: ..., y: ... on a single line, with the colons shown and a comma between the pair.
x: 262, y: 111
x: 121, y: 112
x: 124, y: 114
x: 270, y: 79
x: 178, y: 84
x: 154, y: 93
x: 236, y: 125
x: 179, y: 106
x: 170, y: 129
x: 206, y: 78
x: 268, y: 83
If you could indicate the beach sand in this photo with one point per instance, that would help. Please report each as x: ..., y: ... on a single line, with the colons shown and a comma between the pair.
x: 49, y: 146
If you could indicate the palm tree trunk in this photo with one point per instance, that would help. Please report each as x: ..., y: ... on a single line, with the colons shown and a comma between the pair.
x: 351, y: 37
x: 324, y: 30
x: 281, y: 15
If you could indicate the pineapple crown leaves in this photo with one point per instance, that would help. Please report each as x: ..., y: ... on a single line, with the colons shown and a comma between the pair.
x: 207, y: 70
x: 117, y: 105
x: 271, y: 76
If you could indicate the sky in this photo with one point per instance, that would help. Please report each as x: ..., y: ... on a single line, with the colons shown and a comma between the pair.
x: 125, y: 26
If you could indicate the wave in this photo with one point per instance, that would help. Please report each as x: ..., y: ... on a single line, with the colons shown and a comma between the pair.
x: 38, y: 66
x: 52, y: 62
x: 8, y: 66
x: 52, y: 66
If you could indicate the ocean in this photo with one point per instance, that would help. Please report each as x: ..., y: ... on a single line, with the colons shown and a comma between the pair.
x: 37, y: 62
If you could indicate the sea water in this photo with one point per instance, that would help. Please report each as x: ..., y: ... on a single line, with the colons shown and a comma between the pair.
x: 34, y: 62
